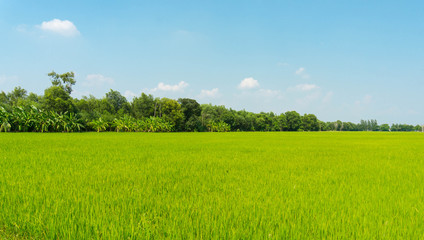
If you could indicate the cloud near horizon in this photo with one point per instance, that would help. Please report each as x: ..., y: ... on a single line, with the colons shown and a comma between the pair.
x: 303, y: 87
x: 209, y: 93
x: 248, y: 83
x: 97, y: 80
x: 62, y: 27
x: 171, y: 88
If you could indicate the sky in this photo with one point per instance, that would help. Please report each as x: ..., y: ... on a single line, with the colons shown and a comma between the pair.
x: 340, y: 60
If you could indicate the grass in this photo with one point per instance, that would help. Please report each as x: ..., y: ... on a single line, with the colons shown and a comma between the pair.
x: 324, y: 185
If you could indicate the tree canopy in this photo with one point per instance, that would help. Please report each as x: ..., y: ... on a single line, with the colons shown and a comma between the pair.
x: 56, y: 110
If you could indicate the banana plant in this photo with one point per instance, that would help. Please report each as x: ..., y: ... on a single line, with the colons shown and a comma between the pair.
x: 99, y: 125
x: 4, y: 120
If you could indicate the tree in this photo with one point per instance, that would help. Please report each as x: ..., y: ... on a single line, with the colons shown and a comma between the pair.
x: 58, y: 100
x: 65, y: 80
x: 143, y: 106
x: 385, y: 127
x: 310, y: 122
x: 170, y: 110
x: 191, y: 111
x: 293, y: 120
x: 118, y: 102
x: 17, y: 94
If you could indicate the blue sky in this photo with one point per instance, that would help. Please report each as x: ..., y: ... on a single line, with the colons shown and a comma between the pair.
x: 347, y: 60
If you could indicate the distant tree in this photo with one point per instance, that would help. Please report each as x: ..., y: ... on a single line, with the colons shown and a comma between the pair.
x: 374, y: 125
x: 118, y: 102
x: 310, y: 122
x: 191, y: 111
x: 293, y: 120
x: 65, y: 80
x: 143, y: 106
x: 34, y: 98
x: 170, y: 110
x: 17, y: 94
x: 4, y: 99
x: 385, y: 127
x: 280, y: 122
x: 57, y: 99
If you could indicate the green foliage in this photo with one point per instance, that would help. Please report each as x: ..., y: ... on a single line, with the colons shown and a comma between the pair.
x: 32, y: 119
x: 65, y: 80
x: 170, y: 110
x: 310, y: 122
x: 385, y: 127
x: 146, y: 113
x: 99, y: 125
x: 57, y: 99
x: 218, y: 126
x: 118, y: 102
x: 143, y: 106
x: 294, y: 120
x: 191, y: 111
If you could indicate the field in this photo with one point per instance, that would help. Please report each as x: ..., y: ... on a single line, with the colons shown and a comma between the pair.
x: 322, y: 185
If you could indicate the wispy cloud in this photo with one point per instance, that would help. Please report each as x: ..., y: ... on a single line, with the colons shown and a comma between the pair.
x: 209, y: 93
x: 248, y: 83
x: 302, y: 73
x: 62, y: 27
x: 171, y: 88
x: 4, y: 79
x: 97, y: 80
x: 303, y: 87
x: 366, y: 100
x: 129, y: 94
x: 269, y: 93
x: 309, y: 98
x: 328, y: 97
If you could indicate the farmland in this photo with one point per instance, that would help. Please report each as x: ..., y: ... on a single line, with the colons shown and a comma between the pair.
x: 212, y: 185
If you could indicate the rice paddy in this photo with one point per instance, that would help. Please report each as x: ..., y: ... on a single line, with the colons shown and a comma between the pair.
x: 321, y: 185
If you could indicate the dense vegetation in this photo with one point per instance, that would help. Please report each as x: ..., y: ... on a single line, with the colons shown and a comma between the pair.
x: 249, y: 185
x: 57, y: 111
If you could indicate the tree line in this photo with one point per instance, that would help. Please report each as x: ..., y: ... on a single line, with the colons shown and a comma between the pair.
x: 57, y: 111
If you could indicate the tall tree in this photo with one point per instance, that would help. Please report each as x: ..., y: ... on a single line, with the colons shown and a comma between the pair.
x: 191, y: 111
x: 119, y: 102
x: 293, y: 120
x: 57, y: 99
x: 310, y: 122
x: 65, y: 80
x: 143, y: 106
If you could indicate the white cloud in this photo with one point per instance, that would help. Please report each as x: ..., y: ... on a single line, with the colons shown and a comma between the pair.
x: 4, y: 79
x: 129, y: 94
x: 248, y: 83
x: 303, y: 87
x: 172, y: 88
x: 327, y: 98
x: 366, y: 100
x: 65, y: 28
x: 302, y: 73
x: 97, y: 80
x: 269, y: 93
x: 209, y: 93
x: 308, y: 99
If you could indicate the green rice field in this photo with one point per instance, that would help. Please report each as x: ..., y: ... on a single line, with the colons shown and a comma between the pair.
x: 279, y: 185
